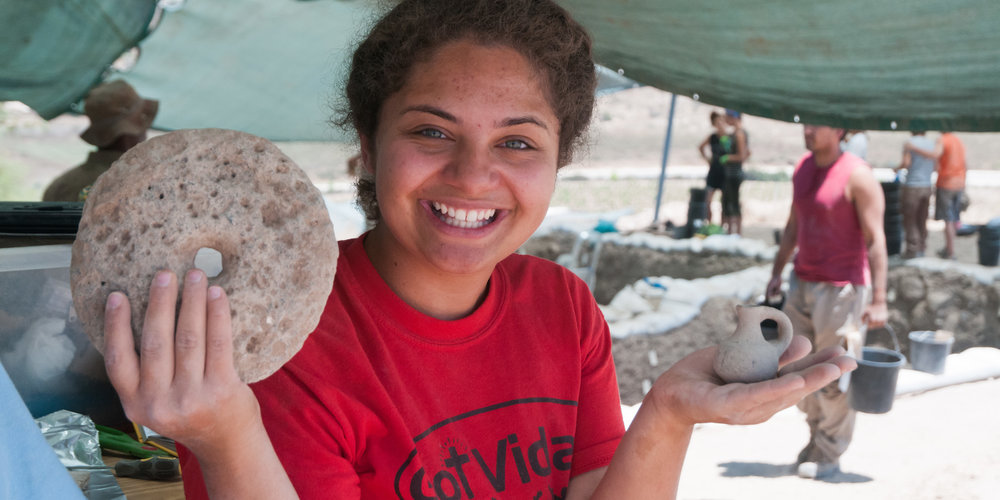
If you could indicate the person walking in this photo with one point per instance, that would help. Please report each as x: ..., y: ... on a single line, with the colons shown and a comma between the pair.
x: 949, y: 153
x: 838, y: 285
x: 916, y: 199
x: 719, y: 143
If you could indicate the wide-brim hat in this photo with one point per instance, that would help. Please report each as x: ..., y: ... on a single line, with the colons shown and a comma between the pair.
x: 116, y: 109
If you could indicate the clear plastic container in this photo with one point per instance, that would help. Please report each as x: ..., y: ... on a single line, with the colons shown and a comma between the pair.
x: 42, y: 344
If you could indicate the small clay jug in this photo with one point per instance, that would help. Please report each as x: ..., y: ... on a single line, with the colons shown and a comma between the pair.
x: 746, y: 356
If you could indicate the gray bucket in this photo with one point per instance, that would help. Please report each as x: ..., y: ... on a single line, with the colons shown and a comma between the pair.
x: 873, y: 383
x: 929, y: 350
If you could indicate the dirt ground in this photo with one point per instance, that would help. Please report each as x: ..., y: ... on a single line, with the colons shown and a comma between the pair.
x: 935, y: 445
x: 919, y: 299
x: 938, y: 445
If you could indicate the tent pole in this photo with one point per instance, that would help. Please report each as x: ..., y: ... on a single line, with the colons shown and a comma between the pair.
x: 663, y: 163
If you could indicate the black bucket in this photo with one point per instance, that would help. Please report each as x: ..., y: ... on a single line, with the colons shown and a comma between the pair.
x: 989, y: 244
x: 893, y: 218
x: 873, y: 383
x: 929, y: 350
x: 697, y: 212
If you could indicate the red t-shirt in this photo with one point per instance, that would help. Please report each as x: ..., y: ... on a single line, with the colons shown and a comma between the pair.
x: 385, y: 402
x: 831, y: 244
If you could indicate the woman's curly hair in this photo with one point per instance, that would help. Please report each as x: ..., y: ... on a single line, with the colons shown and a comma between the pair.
x: 540, y: 30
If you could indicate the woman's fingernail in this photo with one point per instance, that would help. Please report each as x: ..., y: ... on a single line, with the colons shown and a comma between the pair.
x: 214, y: 292
x: 162, y: 279
x: 114, y: 300
x: 194, y: 276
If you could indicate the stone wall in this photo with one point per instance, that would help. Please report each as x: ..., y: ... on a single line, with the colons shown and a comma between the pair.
x: 921, y: 299
x: 923, y: 294
x: 622, y: 263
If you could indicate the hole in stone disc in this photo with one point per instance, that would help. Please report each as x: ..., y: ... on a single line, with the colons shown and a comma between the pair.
x: 209, y: 260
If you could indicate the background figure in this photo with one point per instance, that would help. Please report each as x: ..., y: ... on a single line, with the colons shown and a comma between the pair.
x: 719, y: 144
x: 950, y: 155
x: 119, y: 119
x: 732, y: 216
x: 354, y: 165
x: 836, y: 224
x: 916, y: 199
x: 856, y: 143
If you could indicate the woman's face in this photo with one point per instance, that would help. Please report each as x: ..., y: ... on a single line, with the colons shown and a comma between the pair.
x: 719, y: 123
x: 464, y: 158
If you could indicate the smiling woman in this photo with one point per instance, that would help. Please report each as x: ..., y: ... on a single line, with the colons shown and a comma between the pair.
x: 560, y: 56
x: 470, y: 131
x: 444, y: 364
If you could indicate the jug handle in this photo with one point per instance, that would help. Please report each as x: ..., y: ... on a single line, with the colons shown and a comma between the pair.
x: 784, y: 330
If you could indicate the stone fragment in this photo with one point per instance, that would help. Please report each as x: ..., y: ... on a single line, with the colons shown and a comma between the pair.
x: 229, y: 191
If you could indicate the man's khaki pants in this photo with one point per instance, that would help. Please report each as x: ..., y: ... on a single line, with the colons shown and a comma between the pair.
x: 828, y: 315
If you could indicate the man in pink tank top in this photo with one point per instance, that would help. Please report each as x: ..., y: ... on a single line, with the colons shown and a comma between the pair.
x: 838, y: 286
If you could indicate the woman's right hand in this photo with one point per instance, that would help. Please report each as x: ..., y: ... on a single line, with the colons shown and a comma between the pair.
x: 183, y: 384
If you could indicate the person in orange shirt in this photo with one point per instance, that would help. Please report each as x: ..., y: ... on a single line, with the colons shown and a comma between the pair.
x: 949, y: 152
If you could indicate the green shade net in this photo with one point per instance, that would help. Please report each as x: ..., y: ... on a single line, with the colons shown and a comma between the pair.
x: 53, y: 51
x: 274, y: 67
x: 268, y: 67
x: 921, y: 64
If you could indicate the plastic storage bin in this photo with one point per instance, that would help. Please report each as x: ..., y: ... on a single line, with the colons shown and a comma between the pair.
x: 42, y: 345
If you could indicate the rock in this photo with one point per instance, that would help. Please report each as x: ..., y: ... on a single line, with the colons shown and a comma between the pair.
x: 229, y: 191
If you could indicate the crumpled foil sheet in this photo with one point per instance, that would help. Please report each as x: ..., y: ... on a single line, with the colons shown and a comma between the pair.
x: 73, y: 437
x: 75, y: 440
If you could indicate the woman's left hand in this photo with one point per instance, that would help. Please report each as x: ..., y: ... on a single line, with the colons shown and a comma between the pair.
x: 690, y: 392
